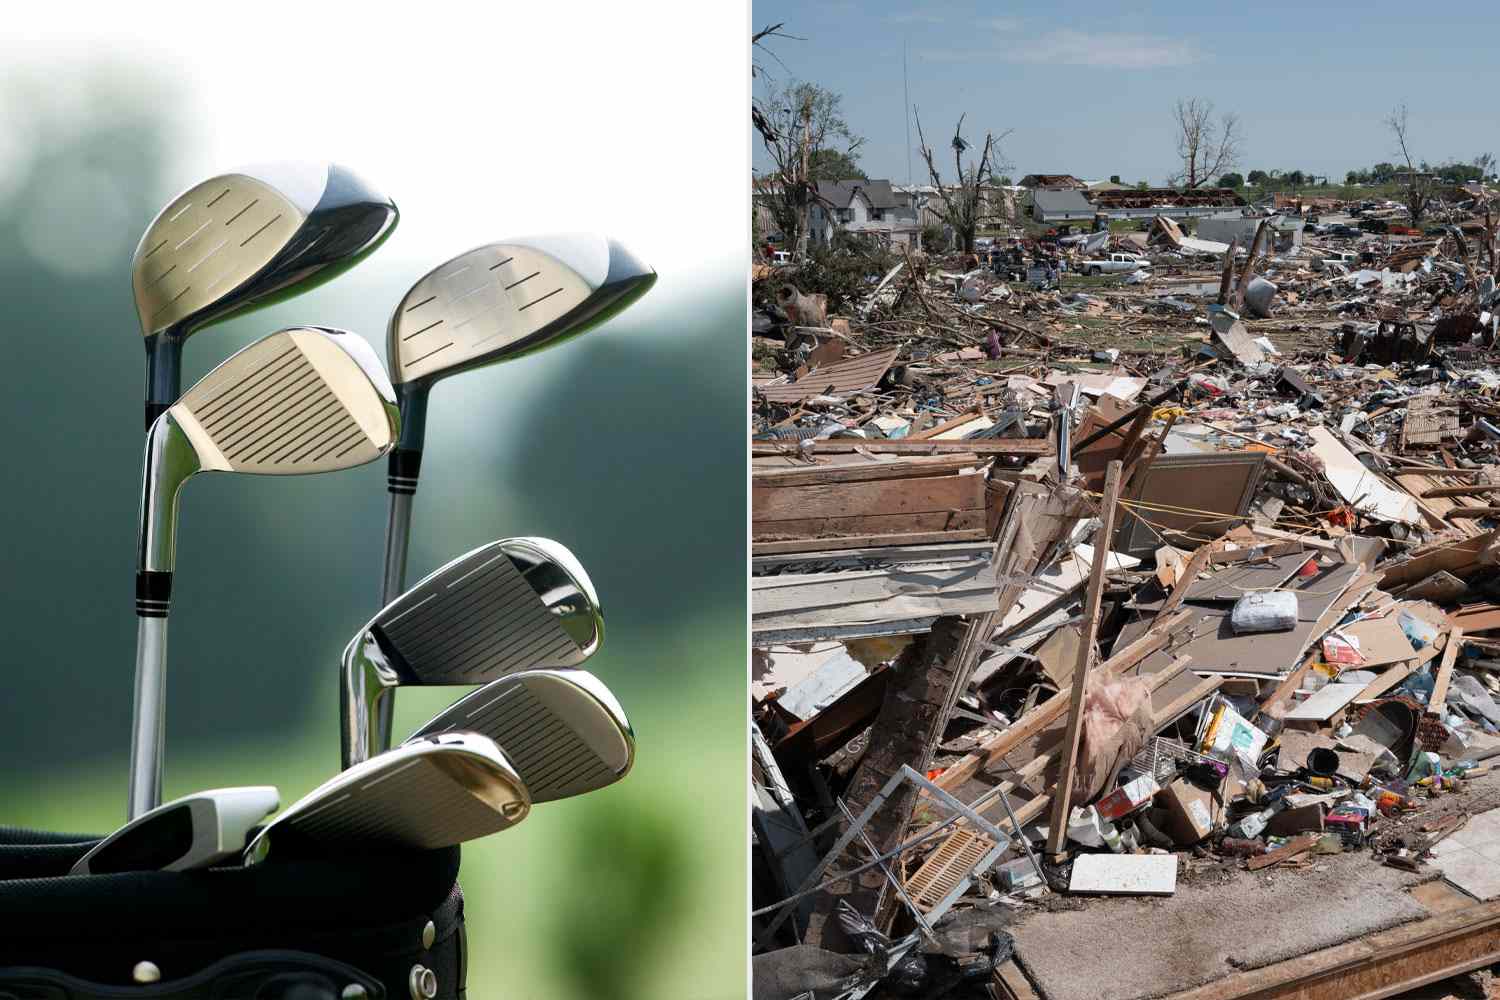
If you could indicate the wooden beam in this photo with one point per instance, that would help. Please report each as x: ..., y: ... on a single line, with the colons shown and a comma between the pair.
x: 1445, y: 672
x: 867, y: 541
x: 1063, y: 794
x: 1285, y: 852
x: 901, y: 468
x: 1461, y: 491
x: 1471, y: 513
x: 1023, y: 447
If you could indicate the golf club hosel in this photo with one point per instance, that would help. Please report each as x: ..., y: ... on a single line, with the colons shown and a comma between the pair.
x: 153, y: 594
x: 405, y: 462
x: 163, y: 373
x: 170, y: 459
x: 365, y: 684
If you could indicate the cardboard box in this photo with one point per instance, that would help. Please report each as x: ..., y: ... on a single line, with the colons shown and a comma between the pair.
x: 1190, y: 811
x: 1127, y: 798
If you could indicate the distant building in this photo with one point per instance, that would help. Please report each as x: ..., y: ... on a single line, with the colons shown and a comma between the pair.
x: 1286, y: 230
x: 864, y: 207
x: 1061, y: 205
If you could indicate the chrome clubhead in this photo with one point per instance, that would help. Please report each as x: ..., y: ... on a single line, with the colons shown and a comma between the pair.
x: 503, y: 300
x: 242, y: 240
x: 197, y: 831
x: 503, y: 607
x: 429, y: 794
x: 302, y: 400
x: 562, y: 729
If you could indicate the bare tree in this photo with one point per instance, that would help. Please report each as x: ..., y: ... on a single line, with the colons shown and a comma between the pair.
x: 795, y: 122
x: 1418, y: 188
x: 963, y: 205
x: 757, y: 41
x: 1208, y: 148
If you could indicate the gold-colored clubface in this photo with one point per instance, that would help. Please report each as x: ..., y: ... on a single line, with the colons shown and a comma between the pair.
x: 478, y: 305
x: 295, y: 402
x: 208, y: 241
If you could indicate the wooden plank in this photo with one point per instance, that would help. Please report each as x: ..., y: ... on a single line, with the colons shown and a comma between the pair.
x: 1012, y: 982
x: 898, y: 468
x: 844, y: 500
x: 1461, y: 491
x: 1375, y: 966
x: 1393, y: 675
x: 1288, y: 686
x: 1290, y: 849
x: 1445, y: 671
x: 1063, y: 793
x: 837, y: 528
x: 840, y: 542
x: 1195, y: 564
x: 1027, y: 447
x: 1323, y: 703
x: 841, y: 378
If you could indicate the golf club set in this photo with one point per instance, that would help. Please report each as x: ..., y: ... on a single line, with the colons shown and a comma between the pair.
x: 518, y: 616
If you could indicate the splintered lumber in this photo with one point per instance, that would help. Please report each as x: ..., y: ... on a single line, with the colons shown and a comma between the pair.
x: 1283, y: 853
x: 1047, y: 712
x: 1024, y: 447
x: 1063, y: 793
x: 1460, y: 491
x: 1195, y: 564
x: 1445, y: 672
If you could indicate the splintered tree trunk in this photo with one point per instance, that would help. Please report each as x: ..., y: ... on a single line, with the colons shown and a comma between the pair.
x: 904, y: 732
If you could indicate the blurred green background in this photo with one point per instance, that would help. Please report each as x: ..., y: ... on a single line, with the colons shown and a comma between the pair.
x: 620, y: 444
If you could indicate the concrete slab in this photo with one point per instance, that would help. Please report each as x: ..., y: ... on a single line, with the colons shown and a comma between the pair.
x: 1125, y: 874
x: 1467, y: 857
x: 1116, y: 948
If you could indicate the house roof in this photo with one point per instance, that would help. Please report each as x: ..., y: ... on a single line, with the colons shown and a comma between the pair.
x: 1155, y: 197
x: 1062, y: 201
x: 1052, y: 181
x: 840, y: 193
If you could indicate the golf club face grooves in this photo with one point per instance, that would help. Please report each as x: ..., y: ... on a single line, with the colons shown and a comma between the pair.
x: 288, y: 405
x: 562, y: 729
x: 503, y: 300
x: 495, y: 610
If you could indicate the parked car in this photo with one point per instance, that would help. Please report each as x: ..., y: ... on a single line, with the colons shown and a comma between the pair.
x: 1115, y: 263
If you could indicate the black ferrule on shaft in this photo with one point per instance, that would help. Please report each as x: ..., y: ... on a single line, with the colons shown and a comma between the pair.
x: 402, y: 469
x: 153, y: 594
x: 163, y: 374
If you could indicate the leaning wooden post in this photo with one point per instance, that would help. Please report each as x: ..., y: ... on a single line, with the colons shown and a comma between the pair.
x: 1062, y: 794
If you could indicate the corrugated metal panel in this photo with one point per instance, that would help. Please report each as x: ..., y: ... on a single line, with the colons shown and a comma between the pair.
x: 838, y: 379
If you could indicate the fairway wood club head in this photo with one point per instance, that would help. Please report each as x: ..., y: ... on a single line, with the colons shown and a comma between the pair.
x: 500, y: 608
x: 197, y: 831
x: 242, y: 240
x: 432, y: 793
x: 302, y: 400
x: 562, y: 729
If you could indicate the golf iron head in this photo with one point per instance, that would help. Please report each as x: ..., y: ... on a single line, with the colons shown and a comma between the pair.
x: 242, y: 240
x: 197, y: 831
x: 436, y: 792
x: 500, y: 608
x: 303, y: 400
x: 562, y: 729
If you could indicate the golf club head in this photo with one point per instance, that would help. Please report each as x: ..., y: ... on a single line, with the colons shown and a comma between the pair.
x: 241, y: 240
x: 562, y: 729
x: 432, y: 793
x: 500, y: 608
x: 302, y: 400
x: 502, y: 300
x: 197, y: 831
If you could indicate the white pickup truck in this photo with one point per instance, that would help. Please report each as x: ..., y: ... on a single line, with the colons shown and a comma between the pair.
x: 1115, y: 263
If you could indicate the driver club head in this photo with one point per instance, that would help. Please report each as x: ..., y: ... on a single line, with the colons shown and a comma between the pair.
x: 197, y: 831
x: 500, y: 608
x: 432, y: 793
x: 245, y: 239
x: 562, y: 729
x: 503, y: 300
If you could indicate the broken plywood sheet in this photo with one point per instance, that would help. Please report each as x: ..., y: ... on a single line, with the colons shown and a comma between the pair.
x: 1360, y: 487
x: 822, y: 595
x: 1380, y: 639
x: 1324, y: 703
x: 839, y: 379
x: 1172, y: 493
x: 1122, y: 387
x: 1125, y: 874
x: 1236, y: 580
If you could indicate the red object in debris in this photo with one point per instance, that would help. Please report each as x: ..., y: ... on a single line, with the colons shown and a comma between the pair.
x: 935, y: 773
x: 1309, y: 568
x: 1341, y: 516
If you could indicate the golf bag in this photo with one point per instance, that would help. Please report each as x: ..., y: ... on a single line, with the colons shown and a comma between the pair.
x: 375, y: 926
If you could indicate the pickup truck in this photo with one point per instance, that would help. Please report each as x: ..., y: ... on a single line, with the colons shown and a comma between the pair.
x: 1115, y: 263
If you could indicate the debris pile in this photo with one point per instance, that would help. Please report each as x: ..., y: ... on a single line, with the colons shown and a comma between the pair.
x: 1071, y: 585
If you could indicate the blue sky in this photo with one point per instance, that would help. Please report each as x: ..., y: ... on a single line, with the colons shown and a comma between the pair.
x: 1090, y: 91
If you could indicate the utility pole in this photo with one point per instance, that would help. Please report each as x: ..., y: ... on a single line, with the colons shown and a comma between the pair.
x: 806, y: 179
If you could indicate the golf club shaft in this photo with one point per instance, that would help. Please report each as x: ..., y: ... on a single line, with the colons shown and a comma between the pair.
x: 147, y: 732
x: 397, y: 531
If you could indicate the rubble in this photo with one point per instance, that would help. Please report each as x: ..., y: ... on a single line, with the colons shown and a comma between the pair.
x: 1070, y: 586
